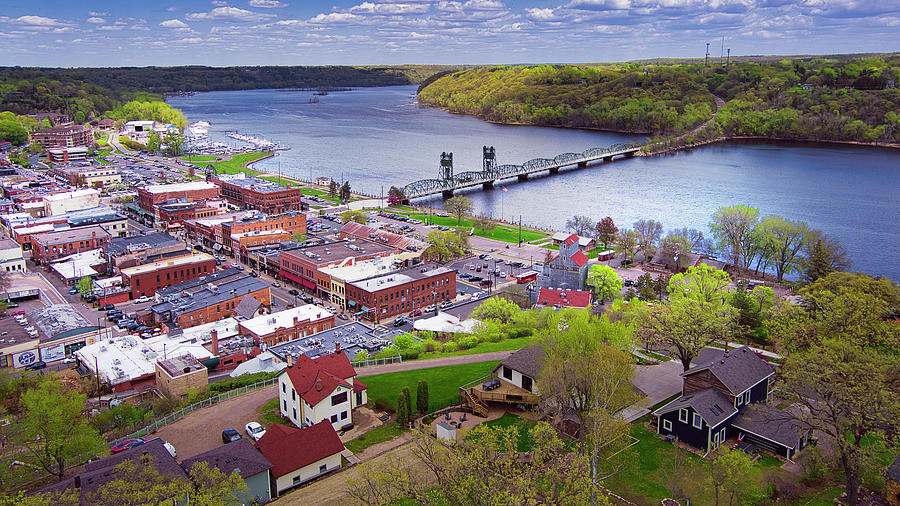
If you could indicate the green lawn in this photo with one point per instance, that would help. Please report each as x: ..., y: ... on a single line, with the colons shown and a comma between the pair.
x: 318, y: 193
x: 377, y: 435
x: 500, y: 232
x: 282, y: 181
x: 443, y: 383
x: 238, y: 163
x: 486, y: 347
x: 199, y: 158
x: 524, y: 425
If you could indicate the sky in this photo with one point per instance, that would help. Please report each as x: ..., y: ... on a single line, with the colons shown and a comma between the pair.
x: 83, y: 33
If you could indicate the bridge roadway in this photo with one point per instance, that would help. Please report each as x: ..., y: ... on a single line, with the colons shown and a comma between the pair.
x: 488, y: 177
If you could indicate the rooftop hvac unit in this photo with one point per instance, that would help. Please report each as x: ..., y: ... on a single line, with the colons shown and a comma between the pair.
x: 103, y: 348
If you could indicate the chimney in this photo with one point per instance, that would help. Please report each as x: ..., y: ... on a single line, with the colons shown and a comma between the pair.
x: 78, y: 481
x: 319, y: 385
x: 214, y: 334
x: 290, y: 359
x: 296, y: 321
x: 337, y: 347
x: 234, y: 220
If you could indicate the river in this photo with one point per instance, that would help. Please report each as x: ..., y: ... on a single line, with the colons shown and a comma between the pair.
x: 378, y: 137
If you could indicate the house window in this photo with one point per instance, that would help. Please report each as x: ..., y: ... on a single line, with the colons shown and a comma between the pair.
x: 295, y: 414
x: 293, y: 395
x: 323, y: 468
x: 285, y: 405
x: 667, y: 425
x: 507, y: 373
x: 343, y: 415
x: 333, y: 418
x: 722, y: 435
x: 698, y: 421
x: 683, y: 415
x: 284, y: 387
x: 740, y: 399
x: 747, y: 397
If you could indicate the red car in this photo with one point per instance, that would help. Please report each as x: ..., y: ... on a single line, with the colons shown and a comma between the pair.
x: 16, y: 313
x: 415, y: 312
x: 125, y: 445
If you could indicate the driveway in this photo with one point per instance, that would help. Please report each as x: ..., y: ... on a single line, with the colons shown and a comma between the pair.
x: 201, y: 430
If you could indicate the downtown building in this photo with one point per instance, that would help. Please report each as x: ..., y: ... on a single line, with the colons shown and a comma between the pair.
x: 302, y: 266
x: 394, y: 293
x: 248, y: 192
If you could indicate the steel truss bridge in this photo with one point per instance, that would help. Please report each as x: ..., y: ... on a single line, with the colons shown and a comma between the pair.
x: 448, y: 182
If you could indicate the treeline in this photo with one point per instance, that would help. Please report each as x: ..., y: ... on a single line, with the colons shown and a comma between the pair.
x: 613, y: 97
x: 84, y: 93
x: 814, y: 98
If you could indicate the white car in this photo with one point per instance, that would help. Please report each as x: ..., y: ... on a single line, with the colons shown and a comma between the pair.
x: 431, y: 308
x: 255, y: 431
x: 141, y: 300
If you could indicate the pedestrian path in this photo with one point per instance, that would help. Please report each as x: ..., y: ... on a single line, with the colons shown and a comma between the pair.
x: 351, y: 458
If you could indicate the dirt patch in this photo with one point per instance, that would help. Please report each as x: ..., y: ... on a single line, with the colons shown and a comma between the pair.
x: 202, y: 430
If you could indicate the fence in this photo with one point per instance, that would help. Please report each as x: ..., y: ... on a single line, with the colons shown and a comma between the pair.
x: 377, y: 361
x: 162, y: 422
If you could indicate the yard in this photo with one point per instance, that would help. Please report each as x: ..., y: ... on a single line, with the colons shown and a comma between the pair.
x: 509, y: 344
x: 524, y: 425
x: 238, y: 163
x: 500, y: 232
x: 443, y: 383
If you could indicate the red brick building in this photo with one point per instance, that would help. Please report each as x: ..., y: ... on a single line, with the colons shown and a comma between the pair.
x: 260, y: 194
x: 210, y: 298
x: 147, y: 278
x: 151, y: 196
x: 63, y: 137
x: 257, y: 230
x: 401, y: 291
x: 301, y: 266
x: 52, y: 245
x: 287, y: 325
x: 174, y: 214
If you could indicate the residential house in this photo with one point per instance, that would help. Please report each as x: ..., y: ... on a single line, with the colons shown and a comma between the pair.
x: 300, y: 455
x: 584, y: 243
x: 311, y: 390
x: 718, y: 391
x: 511, y: 382
x: 244, y: 458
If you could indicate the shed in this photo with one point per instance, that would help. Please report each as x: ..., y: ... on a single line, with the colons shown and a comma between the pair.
x: 445, y: 431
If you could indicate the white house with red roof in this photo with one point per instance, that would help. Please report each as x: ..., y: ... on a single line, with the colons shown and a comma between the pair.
x: 311, y: 390
x: 300, y: 455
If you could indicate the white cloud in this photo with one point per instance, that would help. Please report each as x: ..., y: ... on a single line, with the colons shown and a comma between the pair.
x: 171, y: 9
x: 93, y: 13
x: 390, y: 9
x: 267, y: 4
x: 173, y: 23
x: 96, y: 20
x: 111, y: 28
x: 220, y: 3
x: 228, y: 14
x: 37, y: 21
x: 190, y: 40
x: 335, y: 17
x: 542, y: 14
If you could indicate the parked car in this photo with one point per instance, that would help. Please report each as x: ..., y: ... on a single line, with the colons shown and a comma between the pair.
x: 446, y: 304
x: 73, y: 291
x: 142, y: 299
x: 254, y: 274
x: 70, y: 360
x: 430, y: 309
x: 465, y: 275
x: 343, y: 316
x: 127, y: 444
x: 255, y: 430
x: 276, y: 284
x: 294, y: 292
x: 400, y: 321
x: 475, y: 279
x: 106, y: 307
x: 415, y: 312
x: 230, y: 436
x: 17, y: 313
x: 40, y: 364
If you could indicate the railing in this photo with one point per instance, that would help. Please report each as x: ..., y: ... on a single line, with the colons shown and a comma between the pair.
x: 166, y: 420
x: 377, y: 361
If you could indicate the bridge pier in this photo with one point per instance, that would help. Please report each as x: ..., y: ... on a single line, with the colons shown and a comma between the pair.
x: 447, y: 194
x: 488, y: 185
x: 582, y: 165
x: 554, y: 170
x: 607, y: 158
x: 523, y: 177
x: 630, y: 154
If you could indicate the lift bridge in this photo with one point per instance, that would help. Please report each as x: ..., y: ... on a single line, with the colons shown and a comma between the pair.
x: 448, y: 182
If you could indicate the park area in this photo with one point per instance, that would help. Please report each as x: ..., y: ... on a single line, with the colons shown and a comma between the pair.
x: 498, y: 232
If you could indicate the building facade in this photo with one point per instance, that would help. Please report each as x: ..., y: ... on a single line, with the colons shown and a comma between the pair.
x: 53, y: 245
x: 146, y: 278
x: 152, y: 195
x: 63, y: 137
x: 11, y: 257
x: 61, y: 203
x: 394, y: 293
x: 301, y: 266
x: 175, y: 376
x: 287, y: 325
x: 320, y: 389
x: 250, y: 192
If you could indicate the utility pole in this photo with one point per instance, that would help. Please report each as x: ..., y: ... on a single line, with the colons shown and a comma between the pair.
x: 520, y: 230
x: 728, y: 58
x: 707, y: 54
x: 97, y: 374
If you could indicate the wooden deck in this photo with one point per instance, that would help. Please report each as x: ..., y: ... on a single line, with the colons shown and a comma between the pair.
x: 477, y: 397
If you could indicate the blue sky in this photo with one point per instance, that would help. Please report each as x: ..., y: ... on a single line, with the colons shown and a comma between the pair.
x: 311, y: 32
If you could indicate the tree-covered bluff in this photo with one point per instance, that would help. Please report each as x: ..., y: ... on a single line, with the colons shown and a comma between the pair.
x: 809, y: 98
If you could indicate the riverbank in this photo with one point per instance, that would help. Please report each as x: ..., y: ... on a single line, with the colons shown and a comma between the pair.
x: 729, y: 138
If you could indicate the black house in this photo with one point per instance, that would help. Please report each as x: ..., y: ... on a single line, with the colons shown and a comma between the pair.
x: 724, y: 396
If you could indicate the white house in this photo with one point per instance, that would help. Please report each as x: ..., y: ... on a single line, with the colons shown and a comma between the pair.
x: 300, y: 455
x: 522, y: 368
x: 323, y: 388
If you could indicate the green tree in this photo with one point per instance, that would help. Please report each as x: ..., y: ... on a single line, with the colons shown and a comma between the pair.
x: 345, y: 192
x: 403, y: 410
x: 702, y: 282
x: 753, y: 308
x: 85, y: 285
x: 606, y: 283
x: 153, y: 142
x: 53, y: 430
x: 729, y: 473
x: 213, y: 487
x: 395, y: 196
x: 484, y: 223
x: 333, y: 188
x: 353, y: 216
x: 687, y: 324
x: 606, y: 230
x: 13, y: 132
x: 848, y: 394
x: 733, y: 227
x: 459, y: 207
x: 626, y: 242
x: 580, y: 225
x: 422, y: 397
x: 648, y: 234
x: 824, y: 255
x: 497, y: 308
x: 173, y: 144
x: 444, y: 245
x: 784, y: 239
x: 298, y: 237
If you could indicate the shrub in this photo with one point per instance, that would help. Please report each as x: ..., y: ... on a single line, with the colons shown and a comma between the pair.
x: 241, y: 381
x: 468, y: 342
x: 430, y: 345
x: 517, y: 333
x: 422, y: 396
x: 450, y: 347
x: 385, y: 405
x: 495, y: 337
x: 814, y: 464
x: 785, y: 489
x: 409, y: 354
x: 402, y: 409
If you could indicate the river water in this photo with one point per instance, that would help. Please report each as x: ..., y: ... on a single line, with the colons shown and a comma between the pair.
x: 378, y: 137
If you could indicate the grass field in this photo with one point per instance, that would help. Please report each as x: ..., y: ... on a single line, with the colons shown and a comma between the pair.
x: 377, y: 435
x: 283, y: 182
x: 524, y: 425
x: 486, y: 347
x: 443, y: 383
x: 500, y: 232
x: 318, y: 193
x: 238, y: 163
x: 199, y: 158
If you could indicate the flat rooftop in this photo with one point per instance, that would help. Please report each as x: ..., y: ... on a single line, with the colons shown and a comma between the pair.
x: 257, y: 184
x: 209, y: 295
x: 179, y: 187
x: 399, y: 277
x: 72, y: 195
x: 190, y: 259
x: 265, y: 324
x: 335, y: 252
x: 120, y: 245
x: 59, y: 319
x: 71, y: 235
x: 353, y: 338
x: 180, y: 365
x: 196, y: 284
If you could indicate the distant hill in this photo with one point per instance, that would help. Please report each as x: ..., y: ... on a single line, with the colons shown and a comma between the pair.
x: 842, y: 98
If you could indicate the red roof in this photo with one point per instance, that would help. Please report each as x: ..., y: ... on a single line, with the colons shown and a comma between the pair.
x: 579, y: 258
x: 359, y: 386
x: 568, y: 298
x: 289, y: 449
x: 572, y: 239
x: 315, y: 378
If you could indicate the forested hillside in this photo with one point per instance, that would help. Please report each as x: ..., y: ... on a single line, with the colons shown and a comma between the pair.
x: 89, y: 92
x: 813, y: 98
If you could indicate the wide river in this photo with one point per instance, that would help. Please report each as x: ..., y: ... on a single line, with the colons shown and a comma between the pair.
x: 378, y: 137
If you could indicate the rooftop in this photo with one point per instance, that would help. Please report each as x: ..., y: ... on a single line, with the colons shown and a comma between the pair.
x: 334, y: 252
x: 561, y: 297
x: 119, y: 245
x: 289, y: 449
x: 70, y: 235
x: 210, y: 294
x: 189, y: 259
x: 353, y: 337
x: 400, y: 277
x: 128, y: 357
x: 266, y: 324
x: 738, y: 370
x: 382, y: 236
x: 257, y: 184
x: 9, y: 244
x: 88, y: 192
x: 59, y: 319
x: 79, y: 264
x: 527, y: 361
x: 179, y: 187
x: 180, y: 365
x: 240, y: 456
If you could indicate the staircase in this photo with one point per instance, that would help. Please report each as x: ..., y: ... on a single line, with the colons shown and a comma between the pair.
x: 477, y: 405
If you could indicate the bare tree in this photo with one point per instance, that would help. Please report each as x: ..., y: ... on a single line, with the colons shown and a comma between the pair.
x: 580, y: 225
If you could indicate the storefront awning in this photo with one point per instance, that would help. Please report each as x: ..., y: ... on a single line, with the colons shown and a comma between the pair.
x: 287, y: 275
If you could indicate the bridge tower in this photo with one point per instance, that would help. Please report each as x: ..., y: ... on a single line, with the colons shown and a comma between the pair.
x: 489, y: 155
x: 446, y: 173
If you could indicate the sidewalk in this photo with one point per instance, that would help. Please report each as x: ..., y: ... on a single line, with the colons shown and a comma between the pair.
x: 767, y: 354
x: 414, y: 365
